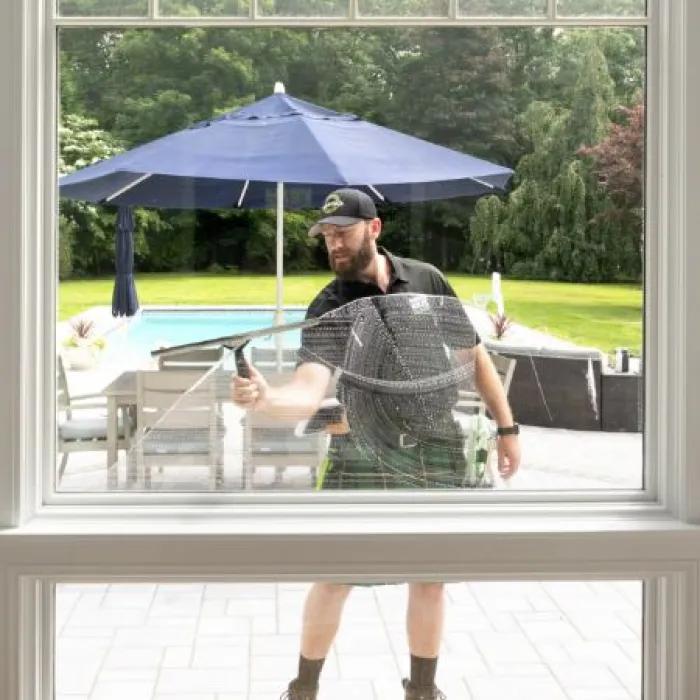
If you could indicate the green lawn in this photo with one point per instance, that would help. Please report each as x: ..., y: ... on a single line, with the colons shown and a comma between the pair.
x: 599, y: 315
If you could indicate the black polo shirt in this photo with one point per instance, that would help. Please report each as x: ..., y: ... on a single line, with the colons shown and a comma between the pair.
x: 407, y: 276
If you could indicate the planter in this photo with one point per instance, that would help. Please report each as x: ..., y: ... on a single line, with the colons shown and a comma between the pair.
x: 81, y: 357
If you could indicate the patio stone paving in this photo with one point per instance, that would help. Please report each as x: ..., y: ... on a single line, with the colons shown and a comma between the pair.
x: 503, y: 641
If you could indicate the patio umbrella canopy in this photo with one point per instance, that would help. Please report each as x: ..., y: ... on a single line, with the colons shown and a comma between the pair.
x: 286, y: 152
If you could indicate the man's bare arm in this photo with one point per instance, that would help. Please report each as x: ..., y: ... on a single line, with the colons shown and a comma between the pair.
x: 300, y: 398
x: 489, y: 384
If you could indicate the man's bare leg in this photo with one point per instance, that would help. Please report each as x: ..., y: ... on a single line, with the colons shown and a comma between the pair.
x: 322, y: 612
x: 424, y: 626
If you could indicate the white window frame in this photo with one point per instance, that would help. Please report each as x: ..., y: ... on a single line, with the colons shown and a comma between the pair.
x: 41, y: 500
x: 556, y: 536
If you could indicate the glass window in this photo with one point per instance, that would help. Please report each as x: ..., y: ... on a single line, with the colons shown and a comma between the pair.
x: 204, y: 8
x: 392, y: 8
x: 103, y: 8
x: 502, y: 8
x: 541, y: 244
x: 303, y: 8
x: 601, y: 8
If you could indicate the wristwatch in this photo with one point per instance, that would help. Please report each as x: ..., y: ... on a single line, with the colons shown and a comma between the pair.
x: 509, y: 430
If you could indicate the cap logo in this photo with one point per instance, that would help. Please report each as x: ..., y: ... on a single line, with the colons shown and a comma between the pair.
x: 332, y: 204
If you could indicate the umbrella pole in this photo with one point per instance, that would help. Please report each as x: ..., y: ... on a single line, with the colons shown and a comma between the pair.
x: 279, y: 309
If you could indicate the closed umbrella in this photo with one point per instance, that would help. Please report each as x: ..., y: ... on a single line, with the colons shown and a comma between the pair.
x: 124, y: 299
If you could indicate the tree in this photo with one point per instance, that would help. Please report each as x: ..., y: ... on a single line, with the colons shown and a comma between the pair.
x: 619, y: 160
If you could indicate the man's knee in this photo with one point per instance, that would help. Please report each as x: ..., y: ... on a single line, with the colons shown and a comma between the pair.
x: 426, y: 591
x: 332, y: 591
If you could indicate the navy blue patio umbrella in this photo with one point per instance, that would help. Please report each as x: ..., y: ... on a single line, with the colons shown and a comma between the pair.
x: 283, y: 152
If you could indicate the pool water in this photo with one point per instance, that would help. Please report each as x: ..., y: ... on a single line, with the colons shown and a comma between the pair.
x: 132, y: 342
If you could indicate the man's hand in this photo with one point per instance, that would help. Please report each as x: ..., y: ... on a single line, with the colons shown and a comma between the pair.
x: 508, y: 455
x: 249, y: 393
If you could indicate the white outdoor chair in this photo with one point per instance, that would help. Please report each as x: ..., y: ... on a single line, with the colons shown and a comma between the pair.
x: 197, y: 358
x: 176, y: 425
x: 270, y: 442
x: 82, y: 421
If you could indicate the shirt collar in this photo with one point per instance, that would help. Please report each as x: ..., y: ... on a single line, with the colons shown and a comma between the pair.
x: 398, y: 269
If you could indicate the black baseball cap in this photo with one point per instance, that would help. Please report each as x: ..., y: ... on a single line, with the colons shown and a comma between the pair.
x: 345, y: 207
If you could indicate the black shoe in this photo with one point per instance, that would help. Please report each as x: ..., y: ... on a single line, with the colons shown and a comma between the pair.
x: 413, y: 692
x: 296, y: 692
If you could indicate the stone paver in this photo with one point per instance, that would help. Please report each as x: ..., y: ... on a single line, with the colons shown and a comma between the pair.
x: 503, y: 641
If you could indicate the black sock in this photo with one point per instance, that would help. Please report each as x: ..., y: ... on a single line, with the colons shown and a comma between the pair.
x: 309, y: 672
x: 423, y: 671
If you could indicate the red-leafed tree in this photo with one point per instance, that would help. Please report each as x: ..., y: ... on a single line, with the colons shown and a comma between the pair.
x: 619, y: 161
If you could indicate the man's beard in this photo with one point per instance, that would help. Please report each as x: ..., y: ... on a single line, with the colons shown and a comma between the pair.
x: 352, y: 268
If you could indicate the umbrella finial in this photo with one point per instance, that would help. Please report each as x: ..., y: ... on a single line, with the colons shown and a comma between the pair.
x: 279, y: 87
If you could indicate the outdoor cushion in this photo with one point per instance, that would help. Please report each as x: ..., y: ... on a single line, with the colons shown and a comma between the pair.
x: 74, y: 429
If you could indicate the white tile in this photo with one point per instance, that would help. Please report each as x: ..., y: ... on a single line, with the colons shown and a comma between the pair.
x: 134, y: 658
x: 94, y: 634
x: 553, y: 652
x: 507, y: 648
x: 274, y: 645
x: 268, y: 624
x: 515, y: 689
x: 120, y: 675
x: 551, y: 631
x: 108, y: 618
x: 368, y: 642
x: 184, y: 623
x: 468, y: 622
x: 585, y: 675
x: 177, y: 657
x: 221, y: 657
x: 117, y: 601
x: 119, y: 691
x: 604, y: 652
x: 239, y: 590
x: 600, y: 694
x: 504, y: 622
x: 201, y: 681
x: 601, y: 627
x: 276, y: 668
x: 194, y: 696
x: 76, y: 671
x: 153, y: 637
x: 251, y: 607
x: 232, y: 626
x: 213, y: 608
x: 367, y: 666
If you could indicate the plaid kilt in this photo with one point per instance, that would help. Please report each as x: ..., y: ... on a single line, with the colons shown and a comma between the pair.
x: 424, y: 466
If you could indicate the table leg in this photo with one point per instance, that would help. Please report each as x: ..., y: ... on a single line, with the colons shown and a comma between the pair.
x: 112, y: 441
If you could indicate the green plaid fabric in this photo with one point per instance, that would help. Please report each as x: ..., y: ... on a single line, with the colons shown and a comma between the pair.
x: 419, y: 467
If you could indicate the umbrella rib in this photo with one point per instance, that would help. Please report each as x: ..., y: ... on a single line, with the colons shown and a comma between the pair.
x: 126, y: 188
x: 243, y: 191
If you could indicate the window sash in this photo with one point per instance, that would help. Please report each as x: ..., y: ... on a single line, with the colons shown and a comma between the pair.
x: 26, y: 280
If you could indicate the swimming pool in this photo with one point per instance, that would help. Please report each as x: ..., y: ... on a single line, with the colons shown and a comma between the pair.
x: 131, y: 342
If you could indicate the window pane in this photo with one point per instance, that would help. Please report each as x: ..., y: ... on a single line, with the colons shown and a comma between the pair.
x: 601, y: 8
x: 205, y: 8
x: 303, y: 8
x: 103, y: 8
x: 401, y: 8
x: 547, y: 263
x: 520, y: 640
x: 502, y: 8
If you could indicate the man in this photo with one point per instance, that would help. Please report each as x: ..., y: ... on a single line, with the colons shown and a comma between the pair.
x: 350, y: 227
